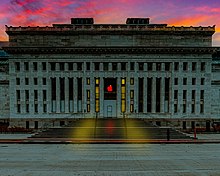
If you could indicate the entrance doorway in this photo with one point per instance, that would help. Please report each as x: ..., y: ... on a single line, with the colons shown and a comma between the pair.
x: 110, y: 97
x: 109, y: 111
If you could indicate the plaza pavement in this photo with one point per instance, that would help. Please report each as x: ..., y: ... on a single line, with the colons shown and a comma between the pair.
x: 109, y: 160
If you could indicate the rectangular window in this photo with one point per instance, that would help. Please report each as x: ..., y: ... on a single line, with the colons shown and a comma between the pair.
x: 35, y: 66
x: 61, y: 66
x: 35, y: 95
x: 158, y: 66
x: 150, y: 66
x: 184, y: 94
x: 132, y: 81
x: 176, y: 66
x: 44, y: 95
x: 201, y: 108
x: 202, y: 66
x: 88, y: 107
x: 201, y: 94
x: 140, y: 66
x: 114, y: 66
x: 132, y: 94
x: 123, y: 66
x: 18, y: 95
x: 53, y: 66
x: 18, y: 108
x: 79, y: 66
x: 175, y: 108
x: 17, y: 66
x: 97, y: 95
x: 193, y: 94
x: 96, y: 64
x: 88, y: 95
x: 193, y: 108
x: 184, y: 108
x: 87, y: 66
x: 36, y: 108
x: 175, y: 94
x: 202, y: 81
x: 176, y: 81
x: 185, y: 66
x: 44, y: 108
x: 35, y: 81
x: 123, y: 95
x: 26, y: 66
x: 88, y: 81
x: 194, y: 66
x: 184, y: 81
x: 105, y: 66
x: 167, y: 66
x: 193, y: 81
x: 17, y: 81
x: 131, y: 108
x: 70, y: 66
x: 44, y: 66
x: 26, y: 95
x: 44, y: 80
x: 26, y: 81
x: 132, y: 66
x: 27, y: 108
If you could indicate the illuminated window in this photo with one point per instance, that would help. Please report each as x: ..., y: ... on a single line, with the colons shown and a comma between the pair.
x: 132, y: 81
x: 97, y: 81
x: 123, y: 95
x: 131, y: 108
x: 132, y: 94
x: 88, y: 107
x: 88, y: 94
x: 123, y: 81
x: 88, y: 81
x: 97, y: 95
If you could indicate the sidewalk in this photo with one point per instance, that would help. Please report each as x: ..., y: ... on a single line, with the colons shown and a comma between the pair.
x: 24, y: 139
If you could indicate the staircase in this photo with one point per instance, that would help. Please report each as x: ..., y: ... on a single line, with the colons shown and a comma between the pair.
x: 111, y: 129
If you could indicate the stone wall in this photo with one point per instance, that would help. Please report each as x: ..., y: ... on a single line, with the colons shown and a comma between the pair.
x: 136, y: 40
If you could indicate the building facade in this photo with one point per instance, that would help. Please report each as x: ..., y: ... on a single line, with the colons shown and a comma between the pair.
x: 132, y: 70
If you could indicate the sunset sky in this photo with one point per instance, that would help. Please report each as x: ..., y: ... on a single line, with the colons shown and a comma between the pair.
x: 172, y: 12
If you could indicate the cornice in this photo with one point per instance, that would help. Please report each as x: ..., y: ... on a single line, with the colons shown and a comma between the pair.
x: 110, y: 50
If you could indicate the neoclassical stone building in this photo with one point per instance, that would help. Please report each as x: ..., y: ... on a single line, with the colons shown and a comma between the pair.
x: 132, y: 70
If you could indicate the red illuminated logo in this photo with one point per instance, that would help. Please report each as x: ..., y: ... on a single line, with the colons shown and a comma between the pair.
x: 110, y: 88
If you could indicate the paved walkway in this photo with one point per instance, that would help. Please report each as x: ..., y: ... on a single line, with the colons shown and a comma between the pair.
x: 109, y: 159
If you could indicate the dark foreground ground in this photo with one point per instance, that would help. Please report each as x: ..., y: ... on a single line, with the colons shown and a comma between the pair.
x: 109, y: 159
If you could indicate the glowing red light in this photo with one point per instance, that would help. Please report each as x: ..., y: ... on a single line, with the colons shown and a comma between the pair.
x: 110, y: 88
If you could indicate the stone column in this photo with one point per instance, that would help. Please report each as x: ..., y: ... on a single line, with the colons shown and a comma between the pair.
x: 145, y: 95
x: 49, y: 98
x: 162, y: 94
x: 101, y: 89
x: 75, y: 95
x: 153, y: 94
x: 128, y: 100
x: 84, y: 94
x: 66, y: 95
x: 136, y: 87
x: 57, y: 94
x: 118, y: 96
